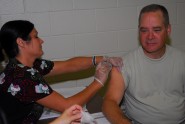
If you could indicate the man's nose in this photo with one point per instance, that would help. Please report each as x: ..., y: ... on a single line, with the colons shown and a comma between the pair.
x: 151, y: 35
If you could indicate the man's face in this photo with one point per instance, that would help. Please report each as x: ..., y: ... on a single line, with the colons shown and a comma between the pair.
x: 153, y: 34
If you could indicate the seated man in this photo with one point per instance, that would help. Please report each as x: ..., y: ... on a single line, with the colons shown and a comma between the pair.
x: 153, y: 77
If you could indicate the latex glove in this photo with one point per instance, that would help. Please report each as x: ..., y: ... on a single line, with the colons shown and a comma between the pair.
x: 115, y: 61
x: 102, y: 70
x: 87, y: 118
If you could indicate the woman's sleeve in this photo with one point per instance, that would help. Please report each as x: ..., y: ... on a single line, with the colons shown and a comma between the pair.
x: 28, y: 90
x: 43, y: 66
x: 28, y: 84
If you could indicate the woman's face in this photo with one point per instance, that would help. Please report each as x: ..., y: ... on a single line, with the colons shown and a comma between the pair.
x: 34, y: 46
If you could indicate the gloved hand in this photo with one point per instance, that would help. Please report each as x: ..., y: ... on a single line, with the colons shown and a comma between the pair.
x: 87, y: 118
x: 102, y: 71
x: 115, y: 61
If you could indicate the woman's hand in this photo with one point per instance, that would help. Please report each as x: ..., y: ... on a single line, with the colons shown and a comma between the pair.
x: 102, y: 71
x: 114, y: 61
x: 70, y: 116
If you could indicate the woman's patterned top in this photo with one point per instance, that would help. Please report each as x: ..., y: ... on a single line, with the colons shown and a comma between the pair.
x: 20, y: 87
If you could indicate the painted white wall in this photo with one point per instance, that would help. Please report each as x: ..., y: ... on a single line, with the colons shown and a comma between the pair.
x: 89, y: 27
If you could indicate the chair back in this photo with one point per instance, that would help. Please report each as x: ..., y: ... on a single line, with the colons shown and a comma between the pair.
x: 3, y: 119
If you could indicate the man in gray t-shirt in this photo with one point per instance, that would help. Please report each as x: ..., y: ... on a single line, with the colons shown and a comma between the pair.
x: 153, y: 77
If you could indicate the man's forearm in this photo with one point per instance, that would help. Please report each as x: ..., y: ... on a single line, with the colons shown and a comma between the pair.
x: 114, y: 113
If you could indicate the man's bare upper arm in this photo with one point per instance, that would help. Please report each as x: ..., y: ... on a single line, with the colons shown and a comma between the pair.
x: 116, y: 86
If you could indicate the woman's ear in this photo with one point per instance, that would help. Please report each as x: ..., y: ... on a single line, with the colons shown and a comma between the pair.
x: 20, y: 42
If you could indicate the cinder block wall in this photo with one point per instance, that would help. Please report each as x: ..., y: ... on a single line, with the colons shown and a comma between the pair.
x: 88, y: 27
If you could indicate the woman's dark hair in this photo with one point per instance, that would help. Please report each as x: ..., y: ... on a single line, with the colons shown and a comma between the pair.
x: 154, y: 8
x: 9, y: 33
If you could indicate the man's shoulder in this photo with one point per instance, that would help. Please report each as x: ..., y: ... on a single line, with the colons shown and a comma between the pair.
x: 176, y: 50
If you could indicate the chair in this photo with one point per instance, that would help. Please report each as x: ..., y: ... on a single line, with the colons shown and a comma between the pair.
x: 3, y: 119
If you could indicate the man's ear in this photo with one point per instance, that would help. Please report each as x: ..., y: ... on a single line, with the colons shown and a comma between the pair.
x: 20, y: 42
x: 169, y: 29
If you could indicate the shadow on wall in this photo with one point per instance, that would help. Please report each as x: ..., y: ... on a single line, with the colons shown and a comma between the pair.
x: 75, y: 76
x: 71, y: 76
x: 169, y: 41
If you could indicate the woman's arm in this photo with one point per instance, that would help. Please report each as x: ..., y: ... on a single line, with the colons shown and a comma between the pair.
x: 57, y: 102
x: 73, y: 65
x: 81, y: 63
